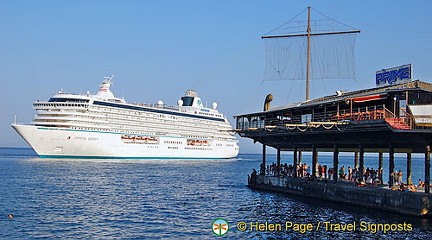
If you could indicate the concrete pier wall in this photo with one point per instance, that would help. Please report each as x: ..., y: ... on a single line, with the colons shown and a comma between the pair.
x: 408, y: 203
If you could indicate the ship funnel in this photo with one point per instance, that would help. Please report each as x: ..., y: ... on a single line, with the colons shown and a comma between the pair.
x: 267, y: 101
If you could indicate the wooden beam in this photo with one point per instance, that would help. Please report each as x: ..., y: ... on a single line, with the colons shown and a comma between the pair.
x: 409, y: 170
x: 380, y: 166
x: 295, y: 160
x: 314, y: 161
x: 391, y: 165
x: 278, y: 159
x: 312, y: 34
x: 263, y: 164
x: 427, y: 169
x: 362, y: 162
x: 335, y: 162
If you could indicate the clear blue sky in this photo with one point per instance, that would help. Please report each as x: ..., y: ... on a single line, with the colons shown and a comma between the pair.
x: 158, y: 49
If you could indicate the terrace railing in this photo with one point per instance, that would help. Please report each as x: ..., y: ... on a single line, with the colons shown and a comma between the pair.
x: 402, y: 121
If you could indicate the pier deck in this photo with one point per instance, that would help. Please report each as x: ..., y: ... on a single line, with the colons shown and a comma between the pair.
x: 418, y: 204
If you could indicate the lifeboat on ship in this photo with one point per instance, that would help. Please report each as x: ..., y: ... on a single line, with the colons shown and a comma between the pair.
x: 128, y: 138
x: 152, y: 140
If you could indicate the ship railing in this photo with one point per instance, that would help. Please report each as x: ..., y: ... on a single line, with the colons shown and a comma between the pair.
x: 157, y: 106
x: 51, y: 105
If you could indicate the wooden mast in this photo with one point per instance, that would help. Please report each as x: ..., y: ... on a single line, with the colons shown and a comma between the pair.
x: 308, y: 56
x: 308, y: 35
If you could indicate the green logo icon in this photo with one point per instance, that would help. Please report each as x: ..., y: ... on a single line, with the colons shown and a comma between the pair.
x: 220, y: 227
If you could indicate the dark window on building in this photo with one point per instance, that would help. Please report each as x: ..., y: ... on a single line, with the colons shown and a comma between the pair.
x: 415, y: 98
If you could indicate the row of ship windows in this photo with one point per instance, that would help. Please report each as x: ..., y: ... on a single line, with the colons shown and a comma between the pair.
x: 211, y: 114
x: 159, y: 121
x: 122, y: 128
x: 138, y: 132
x: 201, y: 124
x: 116, y: 118
x: 125, y: 124
x: 134, y: 132
x: 177, y: 129
x: 218, y: 145
x: 131, y: 123
x: 60, y: 105
x: 68, y: 104
x: 129, y: 113
x: 167, y: 127
x: 82, y: 128
x: 160, y: 116
x: 197, y: 148
x: 172, y: 142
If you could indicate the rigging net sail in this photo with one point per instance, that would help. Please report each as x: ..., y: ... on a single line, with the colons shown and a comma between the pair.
x: 332, y: 56
x: 313, y: 49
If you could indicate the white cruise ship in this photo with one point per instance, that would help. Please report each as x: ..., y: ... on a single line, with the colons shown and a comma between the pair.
x: 104, y: 126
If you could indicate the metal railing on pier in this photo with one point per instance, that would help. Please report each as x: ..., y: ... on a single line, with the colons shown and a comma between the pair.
x: 403, y: 120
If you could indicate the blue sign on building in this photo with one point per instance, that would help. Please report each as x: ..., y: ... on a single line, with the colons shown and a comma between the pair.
x: 395, y: 75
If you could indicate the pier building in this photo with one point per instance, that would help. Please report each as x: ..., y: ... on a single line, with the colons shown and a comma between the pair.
x: 387, y: 119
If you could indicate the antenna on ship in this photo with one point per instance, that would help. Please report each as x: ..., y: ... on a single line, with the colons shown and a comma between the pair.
x: 281, y: 67
x: 108, y: 79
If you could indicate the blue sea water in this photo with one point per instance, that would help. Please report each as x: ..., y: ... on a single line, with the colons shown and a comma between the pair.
x: 157, y: 199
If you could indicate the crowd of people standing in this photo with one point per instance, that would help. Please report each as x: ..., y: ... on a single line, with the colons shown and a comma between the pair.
x: 369, y: 175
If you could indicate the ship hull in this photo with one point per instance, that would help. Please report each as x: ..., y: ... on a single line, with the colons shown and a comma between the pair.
x: 50, y: 142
